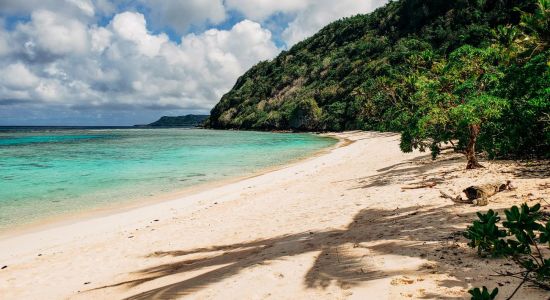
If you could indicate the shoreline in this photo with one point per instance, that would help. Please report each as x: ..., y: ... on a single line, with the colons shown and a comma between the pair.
x: 335, y: 226
x: 116, y: 208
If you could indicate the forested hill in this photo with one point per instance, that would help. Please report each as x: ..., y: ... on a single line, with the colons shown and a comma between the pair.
x: 180, y: 121
x: 431, y: 69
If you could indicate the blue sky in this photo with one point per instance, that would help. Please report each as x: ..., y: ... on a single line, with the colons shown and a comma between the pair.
x: 123, y: 62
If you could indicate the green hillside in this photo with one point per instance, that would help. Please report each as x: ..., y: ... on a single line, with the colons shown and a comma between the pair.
x: 179, y: 121
x: 468, y: 70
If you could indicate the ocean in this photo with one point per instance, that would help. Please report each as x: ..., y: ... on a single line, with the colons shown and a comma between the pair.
x: 46, y: 172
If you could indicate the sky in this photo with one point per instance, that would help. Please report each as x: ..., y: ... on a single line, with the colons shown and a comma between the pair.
x: 122, y: 62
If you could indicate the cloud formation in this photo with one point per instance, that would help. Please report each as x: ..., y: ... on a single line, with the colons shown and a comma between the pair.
x: 259, y: 10
x: 309, y: 15
x: 124, y: 63
x: 320, y: 13
x: 109, y: 56
x: 179, y: 15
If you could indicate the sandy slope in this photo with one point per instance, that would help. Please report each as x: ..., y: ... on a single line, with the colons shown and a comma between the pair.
x: 332, y: 227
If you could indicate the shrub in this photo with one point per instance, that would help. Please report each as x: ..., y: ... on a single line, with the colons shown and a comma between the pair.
x: 521, y: 240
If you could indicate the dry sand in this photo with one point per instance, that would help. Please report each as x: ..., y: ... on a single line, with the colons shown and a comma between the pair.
x: 336, y: 226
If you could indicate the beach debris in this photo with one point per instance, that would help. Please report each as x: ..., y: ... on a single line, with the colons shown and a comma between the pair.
x: 429, y: 184
x: 447, y: 196
x: 402, y: 280
x: 87, y: 282
x: 478, y: 195
x: 4, y: 267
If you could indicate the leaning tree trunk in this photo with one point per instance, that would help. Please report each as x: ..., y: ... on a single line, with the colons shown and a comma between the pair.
x: 471, y: 148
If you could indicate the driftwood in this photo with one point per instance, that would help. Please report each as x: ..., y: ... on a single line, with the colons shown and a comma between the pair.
x: 479, y: 194
x: 457, y: 199
x: 429, y: 184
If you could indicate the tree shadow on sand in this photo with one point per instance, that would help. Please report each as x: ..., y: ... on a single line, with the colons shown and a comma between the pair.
x: 343, y: 257
x: 419, y: 169
x: 536, y: 169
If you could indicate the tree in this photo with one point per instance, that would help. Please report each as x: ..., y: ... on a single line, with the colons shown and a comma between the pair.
x: 537, y: 24
x: 472, y: 114
x: 455, y: 101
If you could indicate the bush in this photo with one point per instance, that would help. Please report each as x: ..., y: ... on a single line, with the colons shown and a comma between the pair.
x: 521, y: 240
x: 485, y: 235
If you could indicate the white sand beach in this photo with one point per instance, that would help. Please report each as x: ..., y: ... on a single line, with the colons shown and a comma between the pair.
x: 335, y: 226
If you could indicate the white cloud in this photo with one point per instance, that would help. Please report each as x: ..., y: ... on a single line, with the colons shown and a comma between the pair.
x: 75, y: 8
x: 100, y: 38
x: 52, y: 34
x: 131, y: 27
x: 180, y: 14
x: 18, y: 77
x: 220, y: 56
x: 5, y: 48
x: 105, y: 7
x: 123, y: 64
x: 261, y: 9
x: 320, y: 13
x: 85, y: 6
x: 309, y: 15
x: 49, y: 91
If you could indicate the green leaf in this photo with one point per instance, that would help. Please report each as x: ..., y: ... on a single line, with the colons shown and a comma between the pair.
x: 483, y: 294
x: 535, y: 208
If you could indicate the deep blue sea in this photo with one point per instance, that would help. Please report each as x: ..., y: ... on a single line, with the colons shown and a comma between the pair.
x: 54, y: 171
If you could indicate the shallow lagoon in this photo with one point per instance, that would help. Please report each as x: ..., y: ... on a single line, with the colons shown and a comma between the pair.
x: 49, y: 172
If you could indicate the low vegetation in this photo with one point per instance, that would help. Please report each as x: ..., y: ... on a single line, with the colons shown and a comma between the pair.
x: 522, y: 239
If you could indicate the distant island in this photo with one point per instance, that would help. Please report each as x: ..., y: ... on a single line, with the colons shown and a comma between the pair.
x: 179, y: 121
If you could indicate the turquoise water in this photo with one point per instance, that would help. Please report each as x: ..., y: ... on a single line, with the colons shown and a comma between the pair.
x: 52, y: 172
